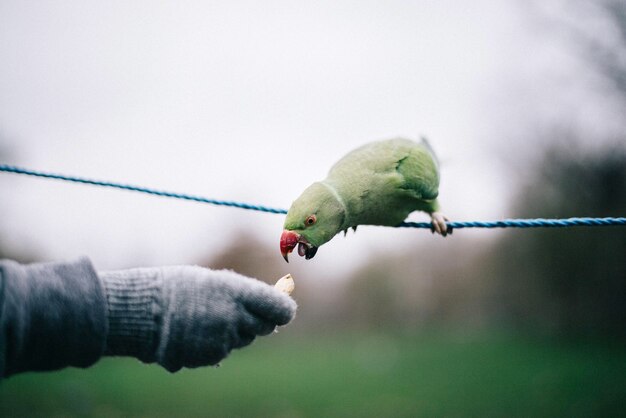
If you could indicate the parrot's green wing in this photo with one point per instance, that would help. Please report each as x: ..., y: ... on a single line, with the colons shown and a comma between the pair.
x: 382, y: 182
x: 420, y: 171
x: 405, y: 164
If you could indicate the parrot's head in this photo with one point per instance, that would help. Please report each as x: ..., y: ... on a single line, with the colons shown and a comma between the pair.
x: 313, y: 219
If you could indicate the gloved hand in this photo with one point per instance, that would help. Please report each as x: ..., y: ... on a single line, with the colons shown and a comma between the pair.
x: 187, y: 316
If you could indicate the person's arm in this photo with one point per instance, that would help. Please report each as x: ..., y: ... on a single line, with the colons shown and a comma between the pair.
x: 52, y: 315
x: 55, y: 315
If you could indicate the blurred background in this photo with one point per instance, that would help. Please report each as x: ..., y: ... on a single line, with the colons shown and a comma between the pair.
x: 524, y: 102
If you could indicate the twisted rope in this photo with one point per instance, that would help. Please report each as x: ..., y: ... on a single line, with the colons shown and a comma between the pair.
x: 506, y: 223
x: 525, y: 223
x: 74, y: 179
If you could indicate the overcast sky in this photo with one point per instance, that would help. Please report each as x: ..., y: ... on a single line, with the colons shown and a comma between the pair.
x: 253, y: 101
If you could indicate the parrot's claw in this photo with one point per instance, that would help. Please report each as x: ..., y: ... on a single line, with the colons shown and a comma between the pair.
x: 345, y: 231
x: 438, y: 224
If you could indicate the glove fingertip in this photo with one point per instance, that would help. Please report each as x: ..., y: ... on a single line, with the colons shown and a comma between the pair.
x: 261, y: 299
x: 288, y: 313
x: 272, y: 306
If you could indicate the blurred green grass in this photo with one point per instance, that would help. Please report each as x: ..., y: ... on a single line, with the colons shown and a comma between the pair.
x: 365, y: 375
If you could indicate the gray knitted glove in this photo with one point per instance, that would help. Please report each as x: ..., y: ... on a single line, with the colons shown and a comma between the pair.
x: 187, y: 316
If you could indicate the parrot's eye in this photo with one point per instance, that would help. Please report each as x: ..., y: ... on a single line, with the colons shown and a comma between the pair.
x: 310, y: 220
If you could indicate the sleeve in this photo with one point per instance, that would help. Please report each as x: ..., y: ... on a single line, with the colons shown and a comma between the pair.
x: 52, y: 315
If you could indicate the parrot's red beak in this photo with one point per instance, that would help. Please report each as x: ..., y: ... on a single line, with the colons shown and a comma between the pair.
x: 288, y: 241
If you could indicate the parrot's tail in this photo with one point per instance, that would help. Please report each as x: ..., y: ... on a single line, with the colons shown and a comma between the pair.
x: 430, y: 149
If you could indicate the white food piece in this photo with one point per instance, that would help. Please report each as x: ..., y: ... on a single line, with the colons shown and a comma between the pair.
x: 285, y: 284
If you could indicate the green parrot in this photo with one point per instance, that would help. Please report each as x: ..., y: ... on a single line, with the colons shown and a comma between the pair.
x: 379, y: 183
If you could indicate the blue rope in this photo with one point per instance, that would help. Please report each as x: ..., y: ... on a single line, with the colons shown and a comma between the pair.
x: 525, y: 223
x: 19, y: 170
x: 506, y: 223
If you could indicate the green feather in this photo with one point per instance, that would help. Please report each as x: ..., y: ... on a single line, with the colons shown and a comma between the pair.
x: 379, y: 183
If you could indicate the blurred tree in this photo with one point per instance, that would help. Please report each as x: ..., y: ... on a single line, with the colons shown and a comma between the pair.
x: 567, y: 281
x: 372, y: 298
x: 571, y: 281
x: 578, y: 21
x: 609, y: 58
x: 430, y: 283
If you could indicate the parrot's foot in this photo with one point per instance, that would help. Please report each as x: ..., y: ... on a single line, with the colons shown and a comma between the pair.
x: 439, y: 224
